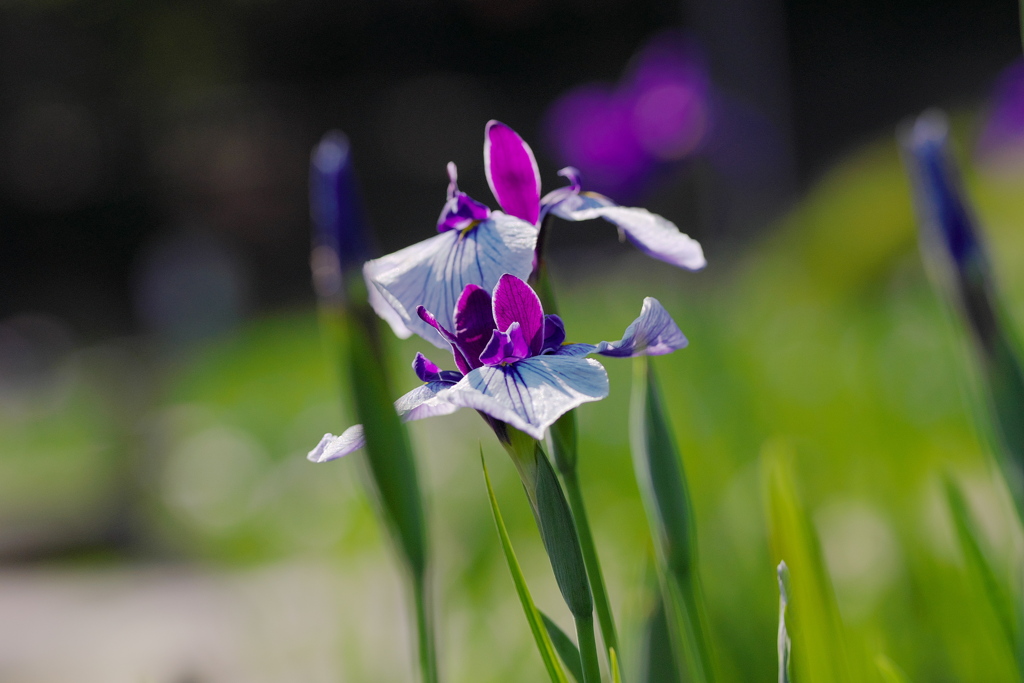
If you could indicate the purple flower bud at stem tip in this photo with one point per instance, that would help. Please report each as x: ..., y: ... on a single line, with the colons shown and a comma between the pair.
x: 334, y: 201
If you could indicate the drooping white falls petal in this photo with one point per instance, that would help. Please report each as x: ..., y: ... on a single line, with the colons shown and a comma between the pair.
x: 652, y: 234
x: 531, y: 394
x: 653, y: 333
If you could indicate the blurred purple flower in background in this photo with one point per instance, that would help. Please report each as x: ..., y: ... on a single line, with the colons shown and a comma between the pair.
x: 1001, y: 143
x: 618, y: 136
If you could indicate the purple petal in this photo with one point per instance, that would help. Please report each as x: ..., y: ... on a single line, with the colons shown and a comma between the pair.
x: 512, y: 172
x: 332, y: 447
x: 425, y: 369
x: 474, y: 323
x: 554, y: 333
x: 506, y: 347
x: 460, y: 358
x: 654, y: 333
x: 434, y: 272
x: 652, y: 234
x: 428, y: 371
x: 531, y: 394
x: 460, y: 211
x: 515, y: 302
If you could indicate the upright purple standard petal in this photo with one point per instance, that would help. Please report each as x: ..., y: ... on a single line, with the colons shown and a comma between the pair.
x: 516, y: 302
x: 654, y: 333
x: 652, y: 234
x: 474, y: 323
x: 531, y: 394
x: 512, y: 172
x: 434, y: 272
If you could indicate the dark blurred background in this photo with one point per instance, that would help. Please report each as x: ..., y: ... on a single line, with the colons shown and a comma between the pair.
x: 153, y: 155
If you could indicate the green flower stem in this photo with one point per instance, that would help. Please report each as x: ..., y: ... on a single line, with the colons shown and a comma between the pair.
x: 588, y: 649
x: 561, y: 541
x: 601, y: 602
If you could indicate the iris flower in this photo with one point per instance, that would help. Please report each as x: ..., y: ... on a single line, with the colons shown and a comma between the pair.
x: 478, y: 246
x: 513, y: 364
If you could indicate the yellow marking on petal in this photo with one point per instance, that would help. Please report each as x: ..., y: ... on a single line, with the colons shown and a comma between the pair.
x: 465, y: 231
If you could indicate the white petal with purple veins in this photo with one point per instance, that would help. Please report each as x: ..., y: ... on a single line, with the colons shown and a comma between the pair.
x: 654, y: 333
x: 423, y: 402
x: 652, y: 234
x: 531, y: 394
x: 433, y: 273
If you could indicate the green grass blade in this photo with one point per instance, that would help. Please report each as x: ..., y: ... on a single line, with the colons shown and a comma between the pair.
x: 616, y: 669
x: 566, y: 649
x: 978, y: 564
x: 813, y: 623
x: 533, y: 617
x: 666, y: 499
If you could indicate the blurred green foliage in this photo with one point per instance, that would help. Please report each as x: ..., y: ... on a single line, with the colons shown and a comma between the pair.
x: 826, y: 338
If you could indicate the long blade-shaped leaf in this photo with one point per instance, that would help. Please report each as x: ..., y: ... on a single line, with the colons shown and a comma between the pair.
x: 813, y: 621
x: 563, y: 442
x: 566, y: 649
x: 977, y: 562
x: 533, y: 616
x: 666, y: 499
x: 341, y: 241
x: 658, y: 663
x: 561, y: 541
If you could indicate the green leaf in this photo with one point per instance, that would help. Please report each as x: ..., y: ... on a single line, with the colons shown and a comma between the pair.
x: 978, y: 564
x: 533, y: 617
x: 563, y: 441
x: 813, y: 622
x: 561, y: 541
x: 662, y: 483
x: 566, y: 649
x: 658, y: 663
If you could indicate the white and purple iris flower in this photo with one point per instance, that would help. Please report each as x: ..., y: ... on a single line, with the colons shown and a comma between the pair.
x: 477, y: 246
x: 513, y: 363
